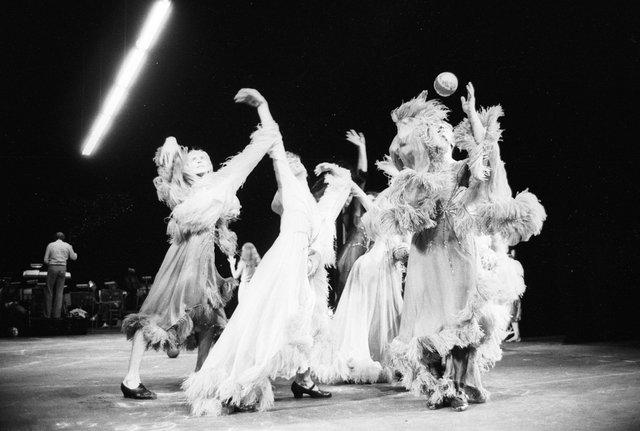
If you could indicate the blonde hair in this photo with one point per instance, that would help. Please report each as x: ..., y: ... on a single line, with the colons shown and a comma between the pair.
x: 254, y: 257
x: 432, y: 136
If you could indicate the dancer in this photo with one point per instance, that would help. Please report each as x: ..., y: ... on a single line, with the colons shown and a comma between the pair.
x: 367, y: 318
x: 502, y: 276
x: 351, y: 236
x: 188, y: 294
x: 451, y: 329
x: 249, y: 260
x: 273, y: 332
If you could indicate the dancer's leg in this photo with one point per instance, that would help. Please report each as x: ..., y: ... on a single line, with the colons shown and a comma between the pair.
x: 132, y: 379
x: 131, y: 386
x: 303, y: 384
x: 206, y: 340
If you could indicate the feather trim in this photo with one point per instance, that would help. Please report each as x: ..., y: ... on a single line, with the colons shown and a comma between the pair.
x: 211, y: 201
x: 338, y: 188
x: 515, y: 219
x: 479, y: 152
x: 412, y: 200
x: 387, y: 167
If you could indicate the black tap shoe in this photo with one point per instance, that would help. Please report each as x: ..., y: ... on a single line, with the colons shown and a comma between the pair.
x: 139, y: 393
x: 313, y: 391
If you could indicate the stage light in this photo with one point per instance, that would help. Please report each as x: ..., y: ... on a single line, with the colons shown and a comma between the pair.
x: 130, y: 68
x: 154, y: 23
x: 114, y: 100
x: 127, y: 74
x: 100, y: 126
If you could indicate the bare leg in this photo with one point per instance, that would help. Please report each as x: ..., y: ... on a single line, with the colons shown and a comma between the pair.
x: 132, y: 379
x: 204, y: 346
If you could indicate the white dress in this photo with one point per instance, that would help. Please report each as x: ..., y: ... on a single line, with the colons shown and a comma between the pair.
x: 272, y: 331
x: 367, y: 318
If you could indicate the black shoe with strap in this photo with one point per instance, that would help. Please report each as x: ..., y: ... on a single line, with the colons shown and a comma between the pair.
x: 139, y: 393
x: 314, y: 392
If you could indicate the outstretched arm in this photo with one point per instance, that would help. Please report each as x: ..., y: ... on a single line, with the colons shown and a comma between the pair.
x: 469, y: 108
x: 269, y: 129
x: 366, y: 201
x: 236, y: 170
x: 252, y: 97
x: 358, y: 140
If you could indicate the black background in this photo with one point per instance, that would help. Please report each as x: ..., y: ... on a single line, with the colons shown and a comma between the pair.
x: 565, y: 73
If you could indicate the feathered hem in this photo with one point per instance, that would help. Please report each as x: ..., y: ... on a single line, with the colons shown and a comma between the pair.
x: 208, y: 390
x: 352, y: 370
x: 180, y: 334
x: 419, y: 359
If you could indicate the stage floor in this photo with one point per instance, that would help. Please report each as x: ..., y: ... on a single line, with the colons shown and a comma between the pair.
x: 73, y: 383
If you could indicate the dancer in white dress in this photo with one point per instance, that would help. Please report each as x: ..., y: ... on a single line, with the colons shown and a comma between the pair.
x: 274, y: 331
x: 367, y: 318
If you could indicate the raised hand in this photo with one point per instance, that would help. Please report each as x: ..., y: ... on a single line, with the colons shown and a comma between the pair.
x: 356, y: 138
x: 469, y: 104
x: 169, y: 149
x: 249, y: 96
x: 324, y: 167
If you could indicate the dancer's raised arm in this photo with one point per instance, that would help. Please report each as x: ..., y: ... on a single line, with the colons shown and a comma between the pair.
x: 172, y: 182
x: 358, y: 140
x: 252, y: 97
x: 236, y: 170
x: 366, y: 201
x: 469, y: 108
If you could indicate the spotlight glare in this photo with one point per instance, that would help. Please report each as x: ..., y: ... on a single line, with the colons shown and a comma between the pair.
x: 127, y: 74
x: 114, y: 100
x: 130, y: 68
x: 154, y: 23
x: 98, y: 130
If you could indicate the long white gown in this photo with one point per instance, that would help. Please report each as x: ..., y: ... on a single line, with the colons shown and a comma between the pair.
x: 367, y: 318
x: 272, y: 331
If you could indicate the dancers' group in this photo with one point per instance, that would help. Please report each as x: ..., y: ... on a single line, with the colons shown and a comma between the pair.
x: 446, y: 222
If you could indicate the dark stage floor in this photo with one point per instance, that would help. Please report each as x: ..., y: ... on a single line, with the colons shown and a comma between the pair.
x: 73, y: 383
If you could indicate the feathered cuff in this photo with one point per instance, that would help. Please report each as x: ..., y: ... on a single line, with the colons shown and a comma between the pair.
x: 515, y: 219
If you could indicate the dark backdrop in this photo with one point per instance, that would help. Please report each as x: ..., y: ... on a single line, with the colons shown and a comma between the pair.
x: 566, y: 75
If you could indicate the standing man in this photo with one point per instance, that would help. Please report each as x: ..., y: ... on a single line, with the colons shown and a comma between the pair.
x: 56, y: 256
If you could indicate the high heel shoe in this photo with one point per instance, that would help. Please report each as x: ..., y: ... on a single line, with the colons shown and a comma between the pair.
x: 313, y: 391
x: 139, y: 393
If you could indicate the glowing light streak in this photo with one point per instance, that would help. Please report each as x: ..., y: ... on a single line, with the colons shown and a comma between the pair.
x: 127, y: 75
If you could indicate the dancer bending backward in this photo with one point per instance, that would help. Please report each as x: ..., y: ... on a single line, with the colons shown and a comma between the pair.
x: 451, y: 325
x: 275, y: 331
x: 188, y: 294
x: 367, y: 318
